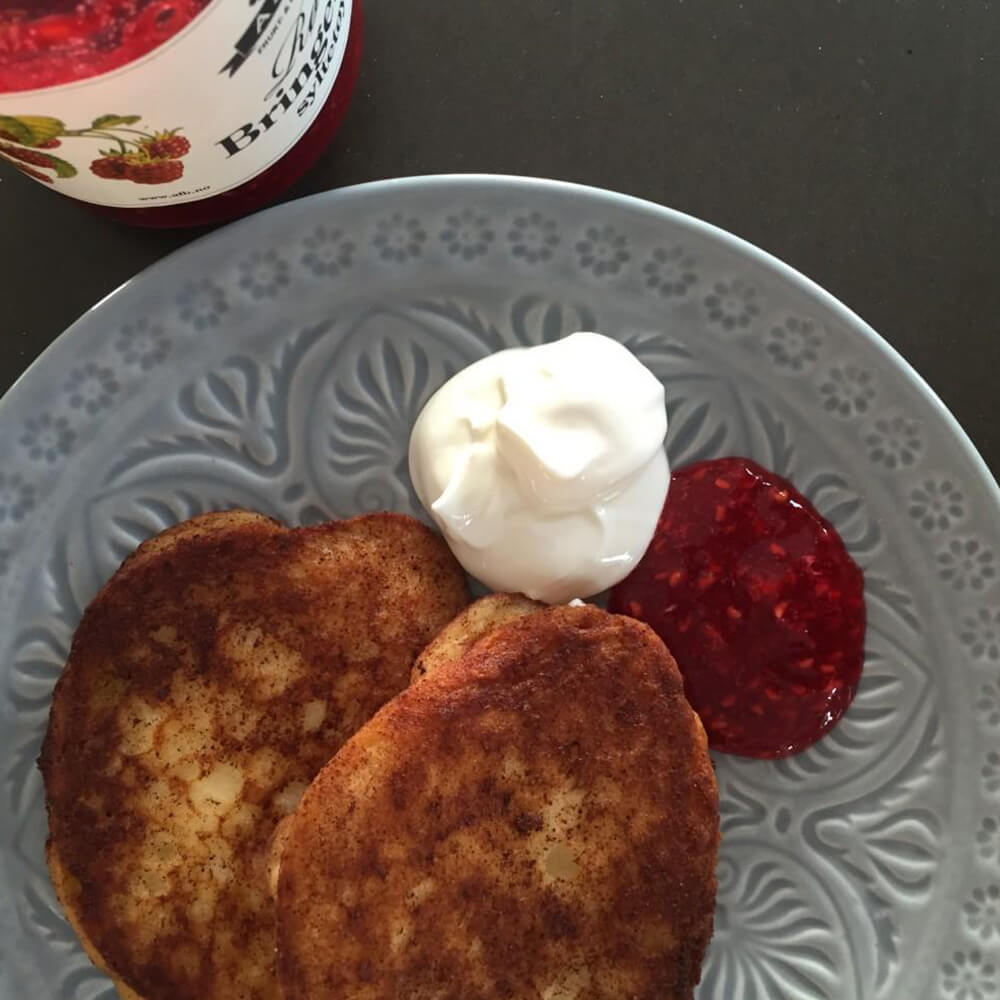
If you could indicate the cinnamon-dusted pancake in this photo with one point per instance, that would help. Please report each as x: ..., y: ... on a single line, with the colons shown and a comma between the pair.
x: 535, y: 819
x: 469, y: 626
x: 208, y: 682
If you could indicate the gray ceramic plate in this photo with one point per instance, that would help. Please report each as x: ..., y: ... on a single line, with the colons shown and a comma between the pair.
x: 279, y: 364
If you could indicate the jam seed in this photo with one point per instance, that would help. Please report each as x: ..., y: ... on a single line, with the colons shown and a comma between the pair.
x: 777, y: 550
x: 720, y: 512
x: 723, y: 484
x: 827, y: 668
x: 713, y: 637
x: 706, y: 579
x: 728, y: 701
x: 806, y: 663
x: 676, y: 577
x: 634, y: 609
x: 772, y: 693
x: 757, y: 708
x: 780, y: 608
x: 780, y: 495
x: 734, y: 613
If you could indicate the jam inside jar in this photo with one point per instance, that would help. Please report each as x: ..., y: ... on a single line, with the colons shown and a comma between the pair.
x: 51, y: 43
x: 45, y: 43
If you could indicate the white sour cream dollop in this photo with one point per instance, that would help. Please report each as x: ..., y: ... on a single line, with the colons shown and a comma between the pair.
x: 544, y: 467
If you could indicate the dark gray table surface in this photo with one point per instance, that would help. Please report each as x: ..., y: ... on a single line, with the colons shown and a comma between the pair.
x: 858, y: 140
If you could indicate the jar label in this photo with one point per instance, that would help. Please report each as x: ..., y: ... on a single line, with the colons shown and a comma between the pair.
x: 206, y: 111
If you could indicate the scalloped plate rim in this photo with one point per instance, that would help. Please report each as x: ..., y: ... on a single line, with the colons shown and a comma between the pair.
x: 334, y: 198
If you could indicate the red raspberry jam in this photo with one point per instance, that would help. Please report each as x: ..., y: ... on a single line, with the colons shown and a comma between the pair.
x: 51, y: 43
x: 759, y: 602
x: 47, y: 43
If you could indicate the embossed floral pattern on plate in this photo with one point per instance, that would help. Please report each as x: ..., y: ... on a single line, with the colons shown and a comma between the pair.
x: 279, y: 365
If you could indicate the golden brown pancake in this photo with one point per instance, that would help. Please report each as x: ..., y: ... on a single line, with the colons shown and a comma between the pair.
x: 208, y: 682
x: 536, y: 819
x: 469, y: 626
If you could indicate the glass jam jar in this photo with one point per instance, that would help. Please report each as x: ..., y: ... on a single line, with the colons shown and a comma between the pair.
x: 173, y: 112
